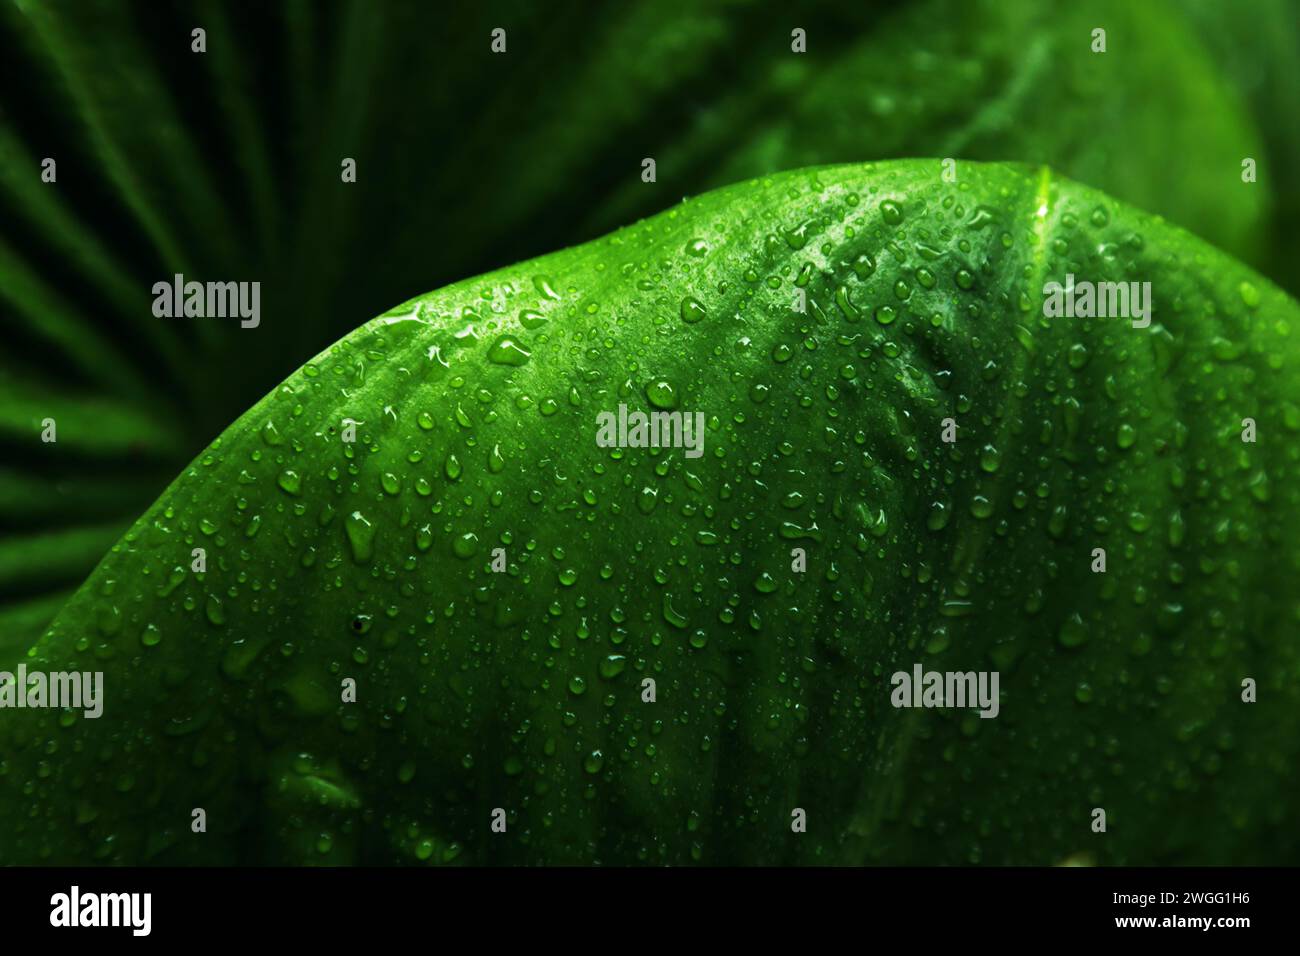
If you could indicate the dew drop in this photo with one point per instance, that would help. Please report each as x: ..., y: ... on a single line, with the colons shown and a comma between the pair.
x: 1073, y: 631
x: 215, y: 613
x: 508, y: 350
x: 692, y: 310
x: 465, y: 545
x: 361, y: 537
x: 660, y: 394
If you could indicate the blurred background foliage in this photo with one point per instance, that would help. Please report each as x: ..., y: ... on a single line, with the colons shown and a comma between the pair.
x: 225, y: 166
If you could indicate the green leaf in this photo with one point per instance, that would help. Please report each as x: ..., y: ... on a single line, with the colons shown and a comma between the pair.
x: 225, y: 166
x: 1256, y: 47
x: 476, y: 410
x: 992, y: 80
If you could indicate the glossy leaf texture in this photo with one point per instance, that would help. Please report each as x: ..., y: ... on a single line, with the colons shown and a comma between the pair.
x: 225, y: 166
x: 476, y: 411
